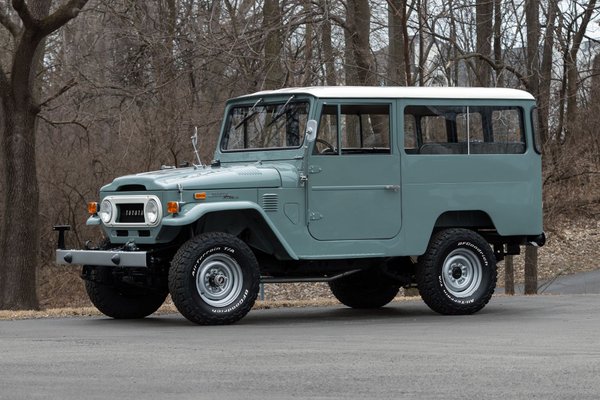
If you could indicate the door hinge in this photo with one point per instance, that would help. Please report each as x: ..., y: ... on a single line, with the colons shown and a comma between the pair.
x: 314, y: 216
x: 314, y: 169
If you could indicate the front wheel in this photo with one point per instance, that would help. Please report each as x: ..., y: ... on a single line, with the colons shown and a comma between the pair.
x: 214, y: 279
x: 119, y: 300
x: 457, y: 273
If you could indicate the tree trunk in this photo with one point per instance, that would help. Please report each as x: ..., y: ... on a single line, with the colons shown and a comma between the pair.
x: 20, y: 233
x: 546, y: 72
x: 484, y: 13
x: 363, y: 62
x: 272, y: 24
x: 330, y: 76
x: 573, y: 73
x: 498, y: 41
x: 19, y: 249
x: 422, y: 14
x: 532, y: 10
x: 396, y: 62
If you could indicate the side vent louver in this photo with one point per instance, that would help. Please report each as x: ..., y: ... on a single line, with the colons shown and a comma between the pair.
x: 270, y: 202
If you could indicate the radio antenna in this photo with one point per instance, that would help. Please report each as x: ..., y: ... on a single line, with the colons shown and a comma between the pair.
x: 195, y: 144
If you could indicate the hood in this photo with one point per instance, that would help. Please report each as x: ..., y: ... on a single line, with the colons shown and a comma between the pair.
x: 201, y: 178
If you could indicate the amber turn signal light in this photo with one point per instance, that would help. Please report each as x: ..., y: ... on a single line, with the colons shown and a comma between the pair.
x: 92, y: 207
x: 172, y: 207
x: 200, y: 196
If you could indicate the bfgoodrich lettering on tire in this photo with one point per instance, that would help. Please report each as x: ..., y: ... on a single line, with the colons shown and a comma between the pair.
x: 457, y: 273
x: 214, y: 279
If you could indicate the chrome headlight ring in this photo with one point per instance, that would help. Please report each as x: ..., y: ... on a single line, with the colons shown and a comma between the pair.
x: 151, y: 212
x: 106, y: 211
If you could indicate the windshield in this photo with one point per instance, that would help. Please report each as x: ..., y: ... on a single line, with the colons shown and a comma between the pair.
x: 261, y: 126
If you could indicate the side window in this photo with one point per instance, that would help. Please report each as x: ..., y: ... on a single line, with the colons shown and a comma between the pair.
x: 466, y: 129
x: 410, y: 133
x: 362, y: 129
x: 327, y: 134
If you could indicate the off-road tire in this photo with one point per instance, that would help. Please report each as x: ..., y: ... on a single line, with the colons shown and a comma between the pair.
x: 365, y: 289
x: 457, y: 273
x: 214, y: 279
x: 121, y: 301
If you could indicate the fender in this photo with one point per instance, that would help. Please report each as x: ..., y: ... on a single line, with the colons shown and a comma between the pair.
x: 191, y: 213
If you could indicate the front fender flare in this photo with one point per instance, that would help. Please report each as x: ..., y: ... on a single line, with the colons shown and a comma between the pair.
x: 191, y: 213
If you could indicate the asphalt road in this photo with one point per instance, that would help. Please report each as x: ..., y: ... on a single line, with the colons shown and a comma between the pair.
x: 580, y: 283
x: 542, y: 347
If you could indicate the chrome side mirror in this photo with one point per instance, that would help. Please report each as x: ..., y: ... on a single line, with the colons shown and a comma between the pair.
x: 311, y: 131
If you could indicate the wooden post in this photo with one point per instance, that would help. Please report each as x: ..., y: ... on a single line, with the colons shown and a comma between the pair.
x: 509, y: 276
x: 530, y: 270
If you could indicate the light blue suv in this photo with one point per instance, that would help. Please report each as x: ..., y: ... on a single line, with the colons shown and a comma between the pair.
x: 367, y: 188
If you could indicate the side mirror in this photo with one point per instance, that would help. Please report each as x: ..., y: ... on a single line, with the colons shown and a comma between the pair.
x: 311, y: 131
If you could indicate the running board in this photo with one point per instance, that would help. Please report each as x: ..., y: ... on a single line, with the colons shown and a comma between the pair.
x: 270, y: 279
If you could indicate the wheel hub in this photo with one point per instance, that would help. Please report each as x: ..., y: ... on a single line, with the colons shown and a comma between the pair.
x: 216, y: 279
x: 457, y: 272
x: 462, y: 272
x: 219, y: 280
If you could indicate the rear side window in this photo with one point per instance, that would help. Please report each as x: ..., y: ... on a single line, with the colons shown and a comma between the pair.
x: 463, y: 130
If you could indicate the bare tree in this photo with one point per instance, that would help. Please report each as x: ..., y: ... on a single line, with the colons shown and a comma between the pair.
x: 399, y: 49
x: 28, y: 26
x: 484, y: 12
x: 360, y: 65
x: 272, y: 25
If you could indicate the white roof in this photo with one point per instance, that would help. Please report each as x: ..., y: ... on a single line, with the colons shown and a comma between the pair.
x: 412, y: 92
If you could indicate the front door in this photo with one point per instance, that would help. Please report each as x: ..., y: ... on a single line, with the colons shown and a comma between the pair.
x: 354, y: 174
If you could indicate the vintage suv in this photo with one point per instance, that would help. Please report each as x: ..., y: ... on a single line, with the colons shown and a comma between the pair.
x: 367, y: 188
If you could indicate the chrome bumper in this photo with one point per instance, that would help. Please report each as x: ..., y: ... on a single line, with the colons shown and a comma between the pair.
x: 102, y: 257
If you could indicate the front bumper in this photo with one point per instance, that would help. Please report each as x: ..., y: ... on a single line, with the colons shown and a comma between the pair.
x: 114, y: 258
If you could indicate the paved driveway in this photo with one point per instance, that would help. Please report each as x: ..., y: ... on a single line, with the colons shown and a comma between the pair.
x: 544, y: 347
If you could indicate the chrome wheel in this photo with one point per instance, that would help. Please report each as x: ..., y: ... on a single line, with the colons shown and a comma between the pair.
x: 462, y: 273
x: 219, y: 280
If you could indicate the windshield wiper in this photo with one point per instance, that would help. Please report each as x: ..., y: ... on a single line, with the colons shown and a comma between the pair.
x: 281, y: 112
x: 251, y: 113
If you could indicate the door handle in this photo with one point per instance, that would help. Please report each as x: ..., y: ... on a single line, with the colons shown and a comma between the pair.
x: 394, y: 188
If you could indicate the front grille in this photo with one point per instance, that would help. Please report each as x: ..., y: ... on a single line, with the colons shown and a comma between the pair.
x: 130, y: 213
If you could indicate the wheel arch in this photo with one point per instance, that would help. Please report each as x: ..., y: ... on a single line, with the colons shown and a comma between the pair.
x: 246, y: 218
x: 251, y: 226
x: 471, y: 219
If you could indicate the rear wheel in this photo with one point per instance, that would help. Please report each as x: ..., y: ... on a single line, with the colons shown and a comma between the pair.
x: 119, y: 300
x: 214, y: 279
x: 365, y: 289
x: 457, y: 274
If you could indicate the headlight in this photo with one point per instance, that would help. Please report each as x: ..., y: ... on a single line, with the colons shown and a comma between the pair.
x: 105, y: 212
x: 151, y: 211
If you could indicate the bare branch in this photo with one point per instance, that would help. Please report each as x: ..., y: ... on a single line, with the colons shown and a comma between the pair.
x: 9, y: 23
x: 46, y: 26
x: 496, y: 66
x: 56, y: 123
x: 62, y: 91
x: 61, y: 16
x: 28, y: 20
